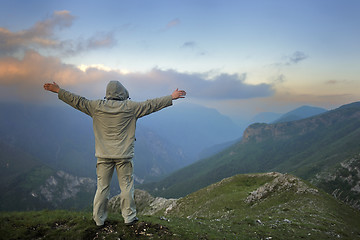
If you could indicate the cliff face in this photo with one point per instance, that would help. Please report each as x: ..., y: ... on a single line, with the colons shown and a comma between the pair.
x: 318, y: 138
x: 259, y: 132
x: 343, y: 181
x: 60, y: 188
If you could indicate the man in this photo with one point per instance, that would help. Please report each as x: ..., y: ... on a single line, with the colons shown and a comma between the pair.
x: 114, y: 123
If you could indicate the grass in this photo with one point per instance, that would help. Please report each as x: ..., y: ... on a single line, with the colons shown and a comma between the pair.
x: 79, y: 225
x: 60, y: 224
x: 219, y: 212
x: 216, y: 212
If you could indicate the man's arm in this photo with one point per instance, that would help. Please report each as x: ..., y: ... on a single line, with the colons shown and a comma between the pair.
x: 156, y: 104
x: 77, y: 102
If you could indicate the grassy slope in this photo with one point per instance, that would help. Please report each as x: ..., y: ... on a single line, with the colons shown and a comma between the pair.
x: 302, y: 155
x: 220, y: 210
x: 216, y: 212
x: 342, y: 181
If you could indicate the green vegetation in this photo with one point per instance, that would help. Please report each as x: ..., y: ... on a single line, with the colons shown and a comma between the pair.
x: 71, y: 225
x: 343, y: 181
x: 219, y: 211
x: 303, y: 148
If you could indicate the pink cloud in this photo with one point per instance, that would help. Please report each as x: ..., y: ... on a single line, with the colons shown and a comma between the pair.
x: 40, y: 35
x: 26, y: 76
x: 43, y: 36
x: 173, y: 23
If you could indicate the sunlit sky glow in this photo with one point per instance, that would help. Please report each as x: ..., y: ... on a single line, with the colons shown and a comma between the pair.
x: 240, y: 57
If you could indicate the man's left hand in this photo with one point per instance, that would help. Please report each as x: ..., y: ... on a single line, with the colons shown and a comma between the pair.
x: 52, y: 87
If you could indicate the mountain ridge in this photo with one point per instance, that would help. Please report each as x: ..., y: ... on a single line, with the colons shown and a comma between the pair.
x: 300, y: 113
x: 303, y: 148
x: 28, y: 184
x: 49, y: 142
x: 62, y: 138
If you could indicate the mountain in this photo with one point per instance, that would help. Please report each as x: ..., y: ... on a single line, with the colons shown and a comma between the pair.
x: 265, y: 117
x: 296, y: 114
x: 57, y: 136
x: 208, y: 152
x: 300, y: 113
x: 62, y: 138
x: 47, y: 157
x: 304, y: 148
x: 196, y: 128
x: 57, y: 142
x: 27, y: 184
x: 155, y: 156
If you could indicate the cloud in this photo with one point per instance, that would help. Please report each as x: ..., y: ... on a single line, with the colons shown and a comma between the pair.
x: 296, y: 57
x: 333, y: 82
x: 281, y: 78
x: 221, y: 87
x: 172, y: 23
x: 189, y: 44
x: 42, y: 36
x: 99, y: 40
x: 193, y: 46
x: 25, y: 77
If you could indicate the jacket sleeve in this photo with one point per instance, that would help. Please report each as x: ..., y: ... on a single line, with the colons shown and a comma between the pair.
x: 77, y: 102
x: 152, y: 105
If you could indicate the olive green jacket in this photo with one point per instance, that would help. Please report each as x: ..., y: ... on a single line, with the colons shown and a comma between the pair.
x: 114, y: 119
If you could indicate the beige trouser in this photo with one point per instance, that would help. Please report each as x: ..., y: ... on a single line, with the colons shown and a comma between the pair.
x: 104, y: 171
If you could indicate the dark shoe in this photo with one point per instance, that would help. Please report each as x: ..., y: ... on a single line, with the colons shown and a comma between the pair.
x: 132, y: 222
x: 106, y: 223
x: 99, y: 227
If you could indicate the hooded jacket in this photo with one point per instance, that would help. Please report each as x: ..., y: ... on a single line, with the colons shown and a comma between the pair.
x: 114, y: 119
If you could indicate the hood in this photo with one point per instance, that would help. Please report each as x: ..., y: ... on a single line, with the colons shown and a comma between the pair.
x: 116, y: 91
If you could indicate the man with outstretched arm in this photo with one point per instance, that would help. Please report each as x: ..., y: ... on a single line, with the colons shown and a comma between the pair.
x: 114, y: 123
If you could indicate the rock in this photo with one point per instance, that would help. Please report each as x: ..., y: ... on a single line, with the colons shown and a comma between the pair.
x: 259, y: 222
x: 145, y: 203
x: 287, y: 220
x: 63, y: 186
x: 281, y: 182
x: 342, y: 181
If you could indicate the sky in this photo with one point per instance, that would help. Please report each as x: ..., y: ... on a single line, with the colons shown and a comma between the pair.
x: 239, y: 57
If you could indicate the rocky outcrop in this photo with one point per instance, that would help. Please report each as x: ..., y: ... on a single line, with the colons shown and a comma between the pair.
x: 145, y: 203
x: 281, y: 182
x: 63, y: 186
x: 343, y: 182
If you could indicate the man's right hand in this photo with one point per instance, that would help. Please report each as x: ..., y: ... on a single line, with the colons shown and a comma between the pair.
x: 52, y: 87
x: 178, y: 94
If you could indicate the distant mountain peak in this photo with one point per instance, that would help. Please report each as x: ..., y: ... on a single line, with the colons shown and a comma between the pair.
x: 285, y: 129
x: 351, y: 105
x: 301, y: 113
